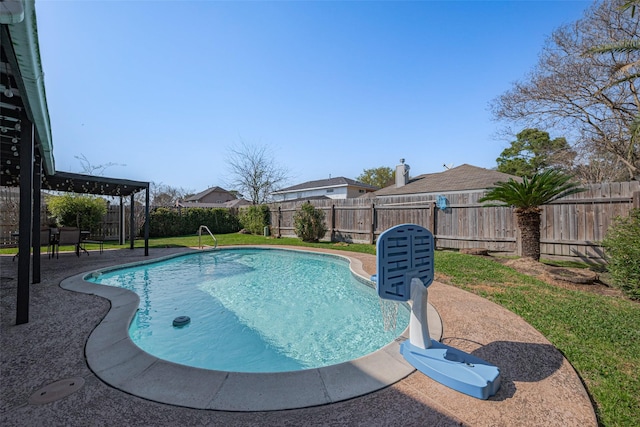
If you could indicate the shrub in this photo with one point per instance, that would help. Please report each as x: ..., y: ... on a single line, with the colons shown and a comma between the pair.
x: 309, y: 223
x: 622, y: 250
x: 72, y: 210
x: 255, y: 218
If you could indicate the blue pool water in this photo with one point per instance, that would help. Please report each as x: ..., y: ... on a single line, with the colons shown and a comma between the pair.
x: 254, y: 310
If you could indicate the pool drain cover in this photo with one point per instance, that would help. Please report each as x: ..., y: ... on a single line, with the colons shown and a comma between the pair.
x: 56, y: 391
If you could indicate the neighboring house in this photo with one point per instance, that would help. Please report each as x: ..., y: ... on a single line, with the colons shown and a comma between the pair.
x: 214, y: 197
x: 464, y: 178
x: 332, y: 188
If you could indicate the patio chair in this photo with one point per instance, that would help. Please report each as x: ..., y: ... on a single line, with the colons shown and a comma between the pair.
x: 46, y: 239
x: 68, y: 236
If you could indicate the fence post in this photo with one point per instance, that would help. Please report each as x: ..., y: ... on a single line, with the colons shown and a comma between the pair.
x: 333, y: 222
x: 432, y: 220
x: 432, y: 223
x: 372, y: 237
x: 279, y: 220
x: 636, y: 199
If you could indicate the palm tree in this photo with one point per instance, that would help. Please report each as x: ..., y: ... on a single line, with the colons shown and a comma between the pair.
x: 526, y: 197
x: 626, y: 71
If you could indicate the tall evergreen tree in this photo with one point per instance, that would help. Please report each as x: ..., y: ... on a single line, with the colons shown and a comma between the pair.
x: 534, y: 151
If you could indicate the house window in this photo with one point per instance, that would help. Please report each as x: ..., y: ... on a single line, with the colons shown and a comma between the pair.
x: 329, y: 190
x: 360, y: 191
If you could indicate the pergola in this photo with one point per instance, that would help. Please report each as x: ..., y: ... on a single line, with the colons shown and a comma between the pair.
x: 26, y: 145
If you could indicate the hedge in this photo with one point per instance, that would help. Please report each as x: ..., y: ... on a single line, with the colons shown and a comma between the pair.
x: 164, y: 222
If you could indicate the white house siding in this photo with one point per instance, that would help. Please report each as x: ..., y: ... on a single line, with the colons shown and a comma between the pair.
x: 332, y: 193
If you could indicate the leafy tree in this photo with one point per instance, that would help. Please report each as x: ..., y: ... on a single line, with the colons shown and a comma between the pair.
x: 380, y: 177
x: 534, y: 151
x: 572, y: 92
x: 622, y: 250
x: 526, y: 197
x: 254, y: 172
x: 308, y: 223
x: 72, y: 210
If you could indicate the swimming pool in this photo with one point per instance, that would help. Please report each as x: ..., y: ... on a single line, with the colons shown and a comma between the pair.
x: 118, y: 362
x: 254, y: 310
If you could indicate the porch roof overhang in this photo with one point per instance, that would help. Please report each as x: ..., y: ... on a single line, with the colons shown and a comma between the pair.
x: 22, y: 91
x: 22, y: 88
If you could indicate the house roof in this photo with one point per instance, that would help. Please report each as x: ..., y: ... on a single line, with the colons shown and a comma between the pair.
x: 235, y: 203
x: 324, y: 183
x: 462, y: 178
x: 204, y: 193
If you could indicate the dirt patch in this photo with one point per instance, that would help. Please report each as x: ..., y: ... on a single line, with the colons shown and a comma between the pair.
x: 474, y: 251
x: 578, y: 279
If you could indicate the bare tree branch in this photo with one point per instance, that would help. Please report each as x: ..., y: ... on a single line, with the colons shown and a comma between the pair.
x: 580, y: 95
x: 254, y: 171
x: 91, y: 169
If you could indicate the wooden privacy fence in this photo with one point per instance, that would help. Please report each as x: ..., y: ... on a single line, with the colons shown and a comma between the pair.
x: 571, y: 227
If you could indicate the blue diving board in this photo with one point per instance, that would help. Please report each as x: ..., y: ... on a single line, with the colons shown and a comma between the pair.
x: 405, y: 258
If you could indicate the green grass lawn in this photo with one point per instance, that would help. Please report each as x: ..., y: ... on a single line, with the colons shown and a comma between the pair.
x: 599, y: 335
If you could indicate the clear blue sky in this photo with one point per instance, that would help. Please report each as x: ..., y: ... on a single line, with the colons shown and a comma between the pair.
x: 164, y: 88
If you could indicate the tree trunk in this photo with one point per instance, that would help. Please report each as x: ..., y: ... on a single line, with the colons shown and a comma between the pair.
x: 529, y: 225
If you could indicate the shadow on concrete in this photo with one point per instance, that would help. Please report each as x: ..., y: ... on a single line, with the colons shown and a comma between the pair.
x: 517, y: 361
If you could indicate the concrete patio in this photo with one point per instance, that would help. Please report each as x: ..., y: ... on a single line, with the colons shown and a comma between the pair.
x: 539, y: 386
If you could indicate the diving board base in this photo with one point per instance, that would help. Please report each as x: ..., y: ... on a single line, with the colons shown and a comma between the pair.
x: 454, y: 368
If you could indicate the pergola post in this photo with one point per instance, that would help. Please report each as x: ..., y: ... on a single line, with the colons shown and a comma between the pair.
x: 35, y: 229
x: 132, y: 222
x: 121, y: 222
x: 146, y: 222
x: 25, y: 216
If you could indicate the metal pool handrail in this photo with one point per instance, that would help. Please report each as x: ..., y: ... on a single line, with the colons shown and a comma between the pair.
x: 215, y: 241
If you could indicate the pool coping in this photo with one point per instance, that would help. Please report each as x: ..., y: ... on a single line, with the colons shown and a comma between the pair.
x: 119, y: 362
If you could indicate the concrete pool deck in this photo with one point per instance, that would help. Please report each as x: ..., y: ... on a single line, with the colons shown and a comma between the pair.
x: 539, y: 387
